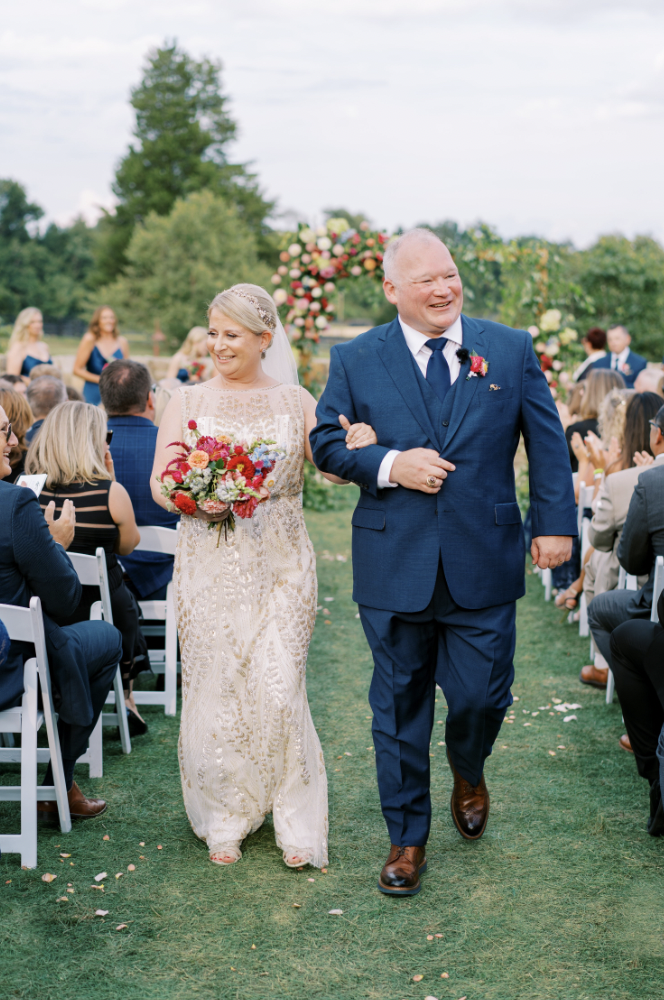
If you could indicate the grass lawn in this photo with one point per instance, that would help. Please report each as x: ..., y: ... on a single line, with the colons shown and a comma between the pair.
x: 561, y: 899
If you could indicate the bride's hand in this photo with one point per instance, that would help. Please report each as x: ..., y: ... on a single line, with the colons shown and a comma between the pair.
x: 358, y: 435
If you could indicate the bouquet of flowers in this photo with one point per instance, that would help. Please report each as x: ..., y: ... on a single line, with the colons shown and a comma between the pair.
x: 219, y: 474
x: 195, y: 370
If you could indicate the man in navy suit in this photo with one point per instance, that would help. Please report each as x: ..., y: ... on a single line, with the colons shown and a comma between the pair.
x: 621, y: 359
x: 438, y: 542
x: 126, y: 392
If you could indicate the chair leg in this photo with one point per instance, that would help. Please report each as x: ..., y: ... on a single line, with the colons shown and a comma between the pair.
x: 57, y: 768
x: 29, y: 769
x: 171, y: 656
x: 610, y: 685
x: 121, y: 711
x: 584, y: 630
x: 95, y: 752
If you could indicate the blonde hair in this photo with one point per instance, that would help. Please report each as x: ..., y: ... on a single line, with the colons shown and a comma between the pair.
x: 612, y: 415
x: 21, y: 331
x: 162, y: 398
x: 20, y: 417
x: 45, y: 369
x: 600, y: 381
x: 250, y: 306
x: 70, y: 445
x: 195, y: 335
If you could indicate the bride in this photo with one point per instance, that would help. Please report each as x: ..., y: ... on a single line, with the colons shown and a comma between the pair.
x: 246, y: 609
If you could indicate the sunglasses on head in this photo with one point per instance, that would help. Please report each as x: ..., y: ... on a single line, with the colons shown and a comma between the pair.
x: 653, y: 423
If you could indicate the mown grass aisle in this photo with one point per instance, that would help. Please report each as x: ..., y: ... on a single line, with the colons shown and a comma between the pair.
x: 560, y: 900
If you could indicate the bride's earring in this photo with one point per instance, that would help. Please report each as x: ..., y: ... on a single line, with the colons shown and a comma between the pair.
x: 263, y: 355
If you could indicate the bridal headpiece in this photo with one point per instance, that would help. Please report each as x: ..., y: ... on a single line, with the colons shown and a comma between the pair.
x: 261, y: 310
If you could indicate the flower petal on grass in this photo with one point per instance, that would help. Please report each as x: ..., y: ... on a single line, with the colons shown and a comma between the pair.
x: 48, y: 877
x: 121, y: 927
x: 64, y: 855
x: 131, y: 868
x: 101, y: 875
x: 552, y: 753
x: 106, y: 837
x: 444, y: 975
x: 569, y: 718
x: 101, y: 913
x: 62, y: 899
x: 418, y: 979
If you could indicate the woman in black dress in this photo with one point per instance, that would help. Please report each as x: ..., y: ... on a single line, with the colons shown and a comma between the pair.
x: 72, y: 449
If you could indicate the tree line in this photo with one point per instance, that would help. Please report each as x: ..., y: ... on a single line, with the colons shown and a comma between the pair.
x: 189, y: 221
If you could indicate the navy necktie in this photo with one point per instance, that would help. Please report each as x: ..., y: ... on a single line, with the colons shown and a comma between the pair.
x: 438, y: 370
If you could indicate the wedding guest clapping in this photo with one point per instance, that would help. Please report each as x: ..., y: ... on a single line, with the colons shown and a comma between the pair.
x: 101, y: 344
x: 20, y: 416
x: 597, y: 385
x: 72, y: 450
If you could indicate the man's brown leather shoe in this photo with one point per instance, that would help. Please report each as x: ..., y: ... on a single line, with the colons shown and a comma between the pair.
x: 594, y: 676
x: 79, y: 806
x: 469, y: 805
x: 625, y: 743
x: 401, y: 872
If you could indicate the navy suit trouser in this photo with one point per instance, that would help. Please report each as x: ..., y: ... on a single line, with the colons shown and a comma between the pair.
x: 469, y: 654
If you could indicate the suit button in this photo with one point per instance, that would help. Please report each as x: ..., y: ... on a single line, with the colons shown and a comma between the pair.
x: 446, y: 423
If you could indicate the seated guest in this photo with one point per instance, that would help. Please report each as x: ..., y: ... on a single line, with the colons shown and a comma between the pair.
x: 19, y: 414
x: 27, y: 347
x: 637, y: 656
x: 15, y: 382
x: 128, y: 399
x: 641, y: 541
x: 621, y: 359
x: 44, y: 394
x: 83, y: 658
x: 71, y: 449
x: 611, y: 508
x: 649, y: 380
x: 593, y: 344
x: 598, y: 384
x: 73, y: 395
x: 49, y: 369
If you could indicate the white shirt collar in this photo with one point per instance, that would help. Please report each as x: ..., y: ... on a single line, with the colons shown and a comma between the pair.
x: 657, y: 457
x: 622, y: 357
x: 416, y: 340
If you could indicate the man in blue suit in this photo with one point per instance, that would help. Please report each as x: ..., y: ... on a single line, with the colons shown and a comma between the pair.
x: 126, y: 392
x: 621, y: 359
x: 438, y: 543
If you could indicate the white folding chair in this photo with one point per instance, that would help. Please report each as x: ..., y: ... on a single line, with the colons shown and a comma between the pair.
x: 164, y: 540
x: 586, y: 495
x: 658, y: 587
x: 92, y: 572
x: 625, y: 582
x: 26, y: 625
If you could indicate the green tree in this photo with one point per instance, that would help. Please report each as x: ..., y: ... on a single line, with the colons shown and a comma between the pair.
x: 182, y: 132
x: 625, y: 279
x: 49, y: 271
x: 177, y: 264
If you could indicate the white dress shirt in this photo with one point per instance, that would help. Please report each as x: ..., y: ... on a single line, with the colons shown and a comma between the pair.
x: 416, y: 342
x: 618, y: 360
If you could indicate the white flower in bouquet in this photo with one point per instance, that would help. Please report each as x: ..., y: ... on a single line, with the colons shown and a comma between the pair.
x: 540, y: 346
x: 295, y: 272
x: 552, y: 348
x: 314, y: 307
x: 280, y: 296
x: 321, y: 231
x: 337, y: 225
x: 295, y: 249
x: 533, y: 331
x: 558, y: 366
x: 356, y: 271
x: 276, y: 279
x: 307, y: 235
x: 548, y: 375
x: 568, y: 335
x: 299, y: 321
x: 299, y: 291
x: 321, y: 323
x: 337, y: 250
x: 550, y: 321
x: 324, y: 243
x: 317, y: 292
x: 328, y: 287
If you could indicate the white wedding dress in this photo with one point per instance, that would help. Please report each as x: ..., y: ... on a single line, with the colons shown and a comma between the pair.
x: 246, y: 610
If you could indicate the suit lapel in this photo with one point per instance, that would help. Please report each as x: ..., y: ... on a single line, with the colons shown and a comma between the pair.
x: 474, y: 339
x: 399, y: 363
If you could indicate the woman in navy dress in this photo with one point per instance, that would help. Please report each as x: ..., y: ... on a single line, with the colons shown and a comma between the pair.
x: 26, y: 347
x: 101, y: 344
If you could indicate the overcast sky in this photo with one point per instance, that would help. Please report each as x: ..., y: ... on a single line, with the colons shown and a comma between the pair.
x: 538, y: 116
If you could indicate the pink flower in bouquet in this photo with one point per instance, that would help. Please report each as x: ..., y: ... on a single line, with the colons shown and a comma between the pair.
x: 214, y: 506
x: 246, y: 508
x: 199, y: 459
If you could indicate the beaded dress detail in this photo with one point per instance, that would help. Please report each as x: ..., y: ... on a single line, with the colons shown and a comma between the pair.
x: 246, y: 610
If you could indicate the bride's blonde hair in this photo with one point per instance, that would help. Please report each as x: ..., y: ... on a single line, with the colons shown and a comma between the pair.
x: 250, y: 306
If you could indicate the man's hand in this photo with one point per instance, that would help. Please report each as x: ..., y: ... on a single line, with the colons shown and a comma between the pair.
x: 416, y: 469
x: 61, y: 530
x: 359, y: 435
x: 549, y: 551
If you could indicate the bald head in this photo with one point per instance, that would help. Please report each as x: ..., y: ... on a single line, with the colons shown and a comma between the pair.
x: 423, y: 282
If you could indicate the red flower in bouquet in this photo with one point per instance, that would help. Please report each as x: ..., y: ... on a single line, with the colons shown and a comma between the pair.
x: 246, y: 508
x: 185, y: 503
x: 243, y: 464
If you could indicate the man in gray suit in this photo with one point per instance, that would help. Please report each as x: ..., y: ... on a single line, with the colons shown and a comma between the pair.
x: 641, y: 542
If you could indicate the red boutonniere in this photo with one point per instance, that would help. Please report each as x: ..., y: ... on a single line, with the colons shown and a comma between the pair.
x: 478, y: 366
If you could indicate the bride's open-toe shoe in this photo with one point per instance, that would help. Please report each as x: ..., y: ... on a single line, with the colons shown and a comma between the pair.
x: 226, y: 854
x: 297, y: 859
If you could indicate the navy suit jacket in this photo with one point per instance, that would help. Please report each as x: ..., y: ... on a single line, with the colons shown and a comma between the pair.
x: 132, y: 448
x: 473, y: 523
x: 33, y: 565
x: 635, y: 364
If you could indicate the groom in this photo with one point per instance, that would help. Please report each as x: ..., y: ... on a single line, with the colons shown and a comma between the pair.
x: 438, y: 543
